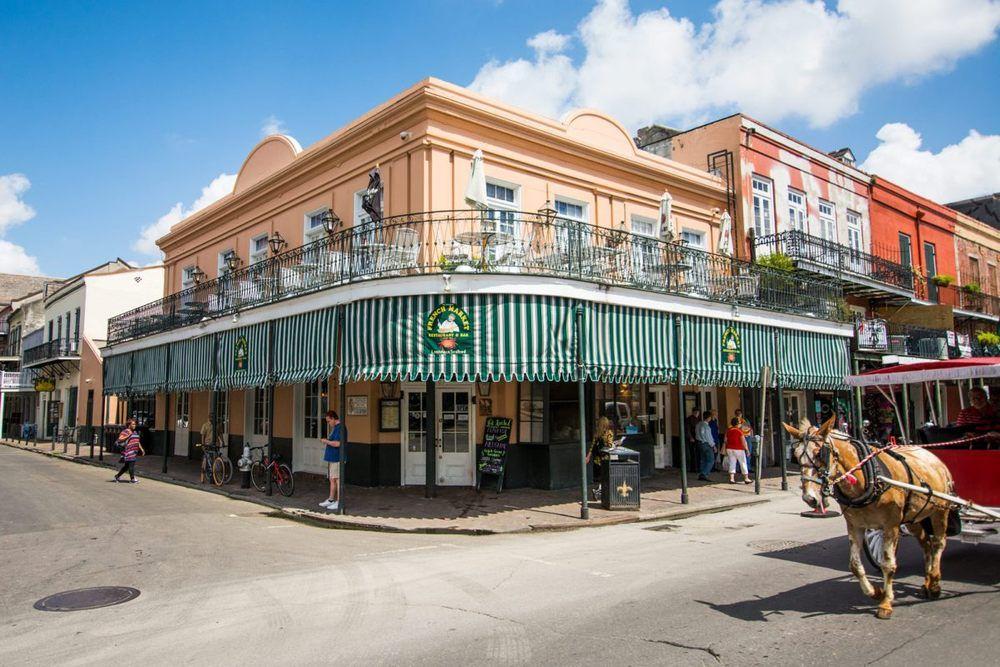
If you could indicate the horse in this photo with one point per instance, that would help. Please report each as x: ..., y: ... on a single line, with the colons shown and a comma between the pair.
x: 827, y: 455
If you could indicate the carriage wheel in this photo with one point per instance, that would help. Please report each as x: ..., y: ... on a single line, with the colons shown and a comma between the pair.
x: 874, y: 547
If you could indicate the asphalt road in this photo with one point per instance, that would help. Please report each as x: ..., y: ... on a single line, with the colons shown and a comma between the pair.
x: 223, y: 582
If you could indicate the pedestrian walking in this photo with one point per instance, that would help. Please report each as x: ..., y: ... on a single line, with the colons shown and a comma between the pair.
x: 706, y: 446
x: 736, y: 451
x: 132, y: 449
x: 336, y: 444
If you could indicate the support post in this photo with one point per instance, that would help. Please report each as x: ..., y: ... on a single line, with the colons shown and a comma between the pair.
x: 859, y: 420
x: 942, y: 419
x: 906, y: 413
x: 342, y: 464
x: 781, y: 436
x: 104, y: 421
x: 270, y: 404
x: 765, y: 382
x: 680, y: 411
x: 166, y: 430
x: 3, y: 399
x: 581, y: 380
x: 430, y: 440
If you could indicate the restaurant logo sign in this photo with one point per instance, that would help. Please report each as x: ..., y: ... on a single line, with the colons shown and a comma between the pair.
x: 241, y: 353
x: 448, y: 329
x: 732, y: 347
x: 44, y: 384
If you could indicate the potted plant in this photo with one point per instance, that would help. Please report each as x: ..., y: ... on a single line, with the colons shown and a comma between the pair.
x: 778, y: 261
x: 989, y: 341
x: 972, y: 288
x: 942, y: 279
x: 446, y: 264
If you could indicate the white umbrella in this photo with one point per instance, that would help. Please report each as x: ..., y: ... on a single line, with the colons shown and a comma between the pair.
x: 666, y: 220
x: 475, y: 191
x: 726, y: 234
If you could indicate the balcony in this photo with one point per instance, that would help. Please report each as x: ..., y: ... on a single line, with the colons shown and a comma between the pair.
x: 467, y: 242
x: 912, y: 341
x: 862, y: 273
x: 965, y: 304
x: 16, y: 381
x: 52, y: 352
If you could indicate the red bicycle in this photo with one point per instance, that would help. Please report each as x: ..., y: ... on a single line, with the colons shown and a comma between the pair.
x: 266, y: 466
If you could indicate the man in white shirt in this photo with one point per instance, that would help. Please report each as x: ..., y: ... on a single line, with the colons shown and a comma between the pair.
x: 706, y: 445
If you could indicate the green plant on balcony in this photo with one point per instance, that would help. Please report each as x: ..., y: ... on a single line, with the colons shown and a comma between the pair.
x: 842, y: 311
x: 988, y: 339
x: 446, y: 264
x: 972, y: 288
x: 942, y: 279
x: 778, y: 261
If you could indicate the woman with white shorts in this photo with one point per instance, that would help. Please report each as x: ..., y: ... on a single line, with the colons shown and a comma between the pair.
x: 736, y: 451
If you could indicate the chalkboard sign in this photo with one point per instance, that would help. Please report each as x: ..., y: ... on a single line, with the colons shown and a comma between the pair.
x: 494, y: 456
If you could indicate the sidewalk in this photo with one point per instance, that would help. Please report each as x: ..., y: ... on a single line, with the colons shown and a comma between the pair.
x: 456, y: 510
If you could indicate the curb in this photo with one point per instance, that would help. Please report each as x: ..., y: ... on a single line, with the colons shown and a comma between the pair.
x: 333, y: 521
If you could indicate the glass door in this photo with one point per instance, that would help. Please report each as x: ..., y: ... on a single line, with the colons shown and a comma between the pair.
x: 930, y: 264
x: 414, y: 437
x: 182, y: 425
x: 454, y: 438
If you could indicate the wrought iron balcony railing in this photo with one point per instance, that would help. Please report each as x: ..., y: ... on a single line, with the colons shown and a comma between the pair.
x: 838, y: 259
x: 495, y: 242
x: 51, y: 351
x: 960, y: 299
x: 16, y: 380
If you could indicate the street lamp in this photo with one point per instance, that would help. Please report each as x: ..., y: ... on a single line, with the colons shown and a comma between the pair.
x: 277, y: 243
x: 197, y: 275
x: 331, y: 222
x: 232, y: 260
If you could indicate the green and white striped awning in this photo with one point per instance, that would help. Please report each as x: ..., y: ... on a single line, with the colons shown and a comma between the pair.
x: 149, y: 370
x: 724, y: 353
x: 305, y: 347
x: 460, y: 337
x: 810, y: 360
x: 192, y: 366
x: 242, y: 359
x: 624, y: 344
x: 117, y: 374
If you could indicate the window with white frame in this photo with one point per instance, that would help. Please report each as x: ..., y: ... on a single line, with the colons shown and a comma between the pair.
x: 502, y: 205
x: 361, y: 216
x: 854, y: 235
x: 187, y: 277
x: 258, y: 248
x: 222, y: 265
x: 314, y: 226
x: 568, y: 210
x: 763, y: 206
x: 644, y: 226
x: 827, y: 220
x: 797, y: 211
x: 694, y: 238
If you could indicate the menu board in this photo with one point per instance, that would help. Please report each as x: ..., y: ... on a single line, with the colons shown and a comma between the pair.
x: 493, y: 458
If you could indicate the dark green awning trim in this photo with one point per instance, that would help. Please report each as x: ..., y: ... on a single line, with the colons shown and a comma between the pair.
x: 810, y: 360
x: 149, y: 370
x: 494, y: 337
x: 624, y: 344
x: 243, y: 357
x: 724, y: 353
x: 305, y: 347
x: 191, y: 364
x: 117, y: 374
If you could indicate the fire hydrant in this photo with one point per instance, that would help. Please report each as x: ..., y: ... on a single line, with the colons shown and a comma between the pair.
x: 245, y: 464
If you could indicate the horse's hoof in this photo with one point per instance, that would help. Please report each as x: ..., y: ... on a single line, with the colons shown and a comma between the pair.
x: 878, y: 593
x: 931, y: 593
x: 883, y: 614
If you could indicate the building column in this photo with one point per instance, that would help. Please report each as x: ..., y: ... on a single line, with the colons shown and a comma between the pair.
x: 581, y: 397
x: 430, y: 436
x: 680, y: 411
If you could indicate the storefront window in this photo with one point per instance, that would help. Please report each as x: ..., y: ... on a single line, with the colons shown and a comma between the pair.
x: 623, y: 404
x: 564, y: 412
x: 143, y: 410
x: 531, y: 412
x: 222, y: 411
x: 315, y: 408
x: 260, y: 412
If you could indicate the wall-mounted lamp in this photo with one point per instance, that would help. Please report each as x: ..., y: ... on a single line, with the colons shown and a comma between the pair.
x: 483, y: 388
x: 277, y: 243
x: 390, y: 389
x: 331, y: 222
x: 197, y: 275
x: 232, y: 260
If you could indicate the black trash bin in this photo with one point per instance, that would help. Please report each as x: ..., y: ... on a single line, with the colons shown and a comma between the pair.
x: 620, y: 483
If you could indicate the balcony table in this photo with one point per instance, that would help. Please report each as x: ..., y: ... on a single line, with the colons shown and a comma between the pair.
x: 485, y: 239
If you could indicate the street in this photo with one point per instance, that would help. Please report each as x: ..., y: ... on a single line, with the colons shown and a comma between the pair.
x: 224, y: 582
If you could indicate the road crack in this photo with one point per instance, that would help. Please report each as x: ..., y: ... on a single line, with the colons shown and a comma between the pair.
x: 706, y: 649
x: 481, y: 613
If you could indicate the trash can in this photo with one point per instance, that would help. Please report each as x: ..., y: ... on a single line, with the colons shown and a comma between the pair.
x: 620, y: 486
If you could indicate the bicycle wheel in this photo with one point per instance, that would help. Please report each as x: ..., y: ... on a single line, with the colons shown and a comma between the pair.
x: 284, y: 480
x: 218, y: 471
x: 228, y: 466
x: 873, y: 544
x: 258, y: 475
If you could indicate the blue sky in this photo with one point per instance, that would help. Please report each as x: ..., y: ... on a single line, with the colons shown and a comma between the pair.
x: 116, y: 112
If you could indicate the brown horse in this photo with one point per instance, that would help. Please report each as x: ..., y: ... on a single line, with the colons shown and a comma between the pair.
x: 826, y: 454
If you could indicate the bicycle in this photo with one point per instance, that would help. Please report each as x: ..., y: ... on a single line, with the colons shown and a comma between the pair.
x: 216, y: 466
x: 266, y: 466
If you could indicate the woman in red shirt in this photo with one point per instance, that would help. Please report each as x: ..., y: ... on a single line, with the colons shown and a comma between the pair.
x: 736, y: 451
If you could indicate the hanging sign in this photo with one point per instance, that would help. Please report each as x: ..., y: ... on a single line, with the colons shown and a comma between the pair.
x: 241, y: 353
x: 493, y: 459
x: 732, y: 347
x: 872, y: 335
x: 448, y: 330
x: 44, y: 384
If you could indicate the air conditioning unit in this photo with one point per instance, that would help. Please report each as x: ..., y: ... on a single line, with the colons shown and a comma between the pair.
x: 897, y: 345
x: 933, y: 348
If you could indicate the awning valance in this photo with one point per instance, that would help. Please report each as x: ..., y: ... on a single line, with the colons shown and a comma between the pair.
x: 460, y: 337
x: 724, y: 353
x: 305, y: 347
x: 192, y: 366
x: 242, y: 359
x: 809, y: 360
x: 117, y: 374
x: 149, y: 370
x: 624, y: 344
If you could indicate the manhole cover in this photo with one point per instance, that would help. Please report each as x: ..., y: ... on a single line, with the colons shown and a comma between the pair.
x: 87, y: 598
x: 776, y: 545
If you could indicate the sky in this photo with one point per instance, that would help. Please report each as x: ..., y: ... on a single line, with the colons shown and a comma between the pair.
x: 119, y: 119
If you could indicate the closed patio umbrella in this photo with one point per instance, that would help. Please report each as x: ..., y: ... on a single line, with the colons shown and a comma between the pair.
x: 475, y: 191
x: 666, y: 219
x: 726, y: 234
x: 371, y: 200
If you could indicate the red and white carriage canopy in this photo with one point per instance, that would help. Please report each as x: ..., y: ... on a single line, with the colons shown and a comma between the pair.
x: 928, y: 371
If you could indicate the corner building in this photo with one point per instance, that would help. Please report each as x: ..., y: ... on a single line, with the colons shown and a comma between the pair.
x: 418, y: 315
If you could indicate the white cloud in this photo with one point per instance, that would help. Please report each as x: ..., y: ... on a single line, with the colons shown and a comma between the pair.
x: 220, y: 186
x: 272, y: 125
x: 14, y: 211
x: 772, y: 59
x: 959, y: 171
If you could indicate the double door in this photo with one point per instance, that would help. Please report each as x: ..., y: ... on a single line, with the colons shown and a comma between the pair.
x: 453, y: 431
x: 659, y: 410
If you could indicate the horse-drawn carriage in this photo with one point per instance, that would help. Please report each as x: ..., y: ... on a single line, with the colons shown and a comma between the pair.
x: 902, y: 488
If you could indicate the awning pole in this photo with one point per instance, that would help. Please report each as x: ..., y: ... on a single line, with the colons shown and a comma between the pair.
x: 859, y: 420
x: 270, y: 403
x: 781, y: 436
x: 430, y: 440
x: 765, y: 382
x: 680, y: 411
x: 580, y: 381
x: 342, y: 388
x: 906, y: 413
x: 104, y: 420
x: 940, y: 403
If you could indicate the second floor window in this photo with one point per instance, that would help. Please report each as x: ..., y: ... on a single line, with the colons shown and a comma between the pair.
x: 571, y: 210
x: 187, y: 277
x: 854, y: 235
x: 974, y: 275
x: 763, y: 208
x: 502, y: 211
x: 315, y: 228
x: 643, y: 226
x: 827, y: 221
x: 221, y: 265
x: 258, y: 248
x: 797, y: 211
x: 694, y: 239
x: 76, y: 325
